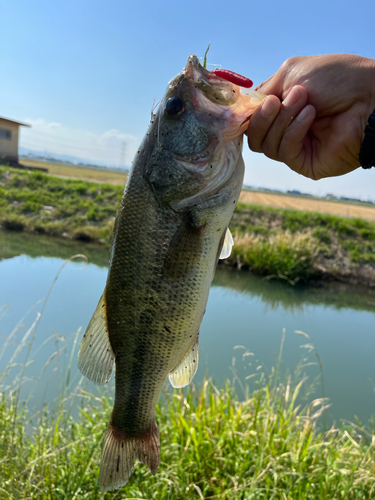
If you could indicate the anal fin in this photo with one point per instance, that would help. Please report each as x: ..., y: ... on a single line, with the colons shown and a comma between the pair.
x: 183, y: 373
x: 96, y: 357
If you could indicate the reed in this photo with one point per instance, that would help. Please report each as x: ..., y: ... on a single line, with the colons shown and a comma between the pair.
x: 269, y: 443
x: 283, y: 255
x: 213, y: 446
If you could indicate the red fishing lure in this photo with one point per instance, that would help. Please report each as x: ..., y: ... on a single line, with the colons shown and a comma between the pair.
x: 233, y: 77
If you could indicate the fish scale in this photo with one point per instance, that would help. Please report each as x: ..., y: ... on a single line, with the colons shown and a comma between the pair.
x: 169, y: 233
x: 151, y: 351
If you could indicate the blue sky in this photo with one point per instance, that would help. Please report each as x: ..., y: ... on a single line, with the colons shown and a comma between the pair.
x: 85, y: 73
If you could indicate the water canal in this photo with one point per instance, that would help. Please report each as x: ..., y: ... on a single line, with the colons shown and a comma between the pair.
x: 245, y: 315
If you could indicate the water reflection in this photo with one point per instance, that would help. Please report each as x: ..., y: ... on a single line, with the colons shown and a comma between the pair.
x: 274, y: 293
x: 13, y: 244
x: 242, y: 310
x: 296, y: 298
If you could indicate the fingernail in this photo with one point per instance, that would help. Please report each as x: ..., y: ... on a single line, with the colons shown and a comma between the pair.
x: 267, y: 108
x: 292, y: 98
x: 304, y: 114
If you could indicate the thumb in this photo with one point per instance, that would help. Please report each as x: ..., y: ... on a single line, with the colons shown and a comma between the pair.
x: 273, y: 85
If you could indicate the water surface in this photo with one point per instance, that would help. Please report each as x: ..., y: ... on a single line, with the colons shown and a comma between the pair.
x: 243, y: 310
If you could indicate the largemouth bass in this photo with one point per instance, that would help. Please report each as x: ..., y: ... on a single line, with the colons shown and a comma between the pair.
x: 170, y: 231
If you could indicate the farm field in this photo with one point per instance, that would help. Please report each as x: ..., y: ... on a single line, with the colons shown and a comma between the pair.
x: 76, y: 172
x: 310, y: 204
x: 343, y: 209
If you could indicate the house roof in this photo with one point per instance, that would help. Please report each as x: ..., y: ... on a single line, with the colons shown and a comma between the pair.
x: 14, y: 121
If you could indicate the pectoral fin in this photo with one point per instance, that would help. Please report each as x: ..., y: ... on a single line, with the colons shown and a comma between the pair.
x: 227, y: 245
x: 96, y: 357
x: 183, y: 373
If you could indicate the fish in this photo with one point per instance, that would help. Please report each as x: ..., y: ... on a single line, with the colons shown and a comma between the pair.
x: 170, y: 231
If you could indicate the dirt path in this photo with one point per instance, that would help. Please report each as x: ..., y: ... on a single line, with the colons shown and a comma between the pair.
x: 312, y: 205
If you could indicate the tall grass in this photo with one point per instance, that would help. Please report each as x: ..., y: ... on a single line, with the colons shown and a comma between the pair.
x: 213, y: 446
x: 356, y: 237
x: 283, y: 255
x: 270, y: 443
x: 343, y: 248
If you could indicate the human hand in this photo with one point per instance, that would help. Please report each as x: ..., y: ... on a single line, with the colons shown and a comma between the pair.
x: 319, y: 127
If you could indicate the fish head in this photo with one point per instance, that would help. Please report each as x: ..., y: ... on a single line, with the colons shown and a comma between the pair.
x: 198, y: 130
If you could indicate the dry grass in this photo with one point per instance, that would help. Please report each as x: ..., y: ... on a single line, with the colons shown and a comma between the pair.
x: 76, y: 172
x: 310, y: 204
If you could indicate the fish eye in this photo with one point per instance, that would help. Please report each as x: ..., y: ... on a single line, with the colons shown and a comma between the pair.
x: 174, y: 105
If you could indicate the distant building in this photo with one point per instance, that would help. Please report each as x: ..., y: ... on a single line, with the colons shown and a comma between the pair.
x: 9, y: 132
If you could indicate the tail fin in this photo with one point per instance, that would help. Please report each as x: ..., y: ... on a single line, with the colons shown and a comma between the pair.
x: 120, y: 452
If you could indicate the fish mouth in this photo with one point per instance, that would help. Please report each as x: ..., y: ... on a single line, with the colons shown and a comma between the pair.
x: 199, y: 159
x: 194, y: 70
x: 214, y: 88
x: 225, y: 109
x: 223, y: 99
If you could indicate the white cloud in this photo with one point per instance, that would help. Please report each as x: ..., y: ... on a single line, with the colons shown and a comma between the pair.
x: 54, y: 125
x: 112, y: 148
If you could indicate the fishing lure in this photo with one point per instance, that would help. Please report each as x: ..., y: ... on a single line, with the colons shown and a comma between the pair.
x: 233, y: 77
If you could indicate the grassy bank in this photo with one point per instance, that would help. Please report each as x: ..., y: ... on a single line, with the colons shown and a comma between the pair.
x: 38, y: 203
x: 214, y: 446
x: 279, y: 243
x: 297, y: 245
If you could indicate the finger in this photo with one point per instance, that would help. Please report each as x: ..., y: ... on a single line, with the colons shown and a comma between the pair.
x: 290, y: 108
x: 273, y: 85
x: 295, y: 146
x: 261, y: 86
x: 261, y: 122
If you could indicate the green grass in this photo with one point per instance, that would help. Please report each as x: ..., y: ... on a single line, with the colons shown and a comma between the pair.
x: 268, y: 221
x: 300, y: 245
x: 38, y: 203
x: 284, y: 244
x: 214, y: 445
x: 283, y: 255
